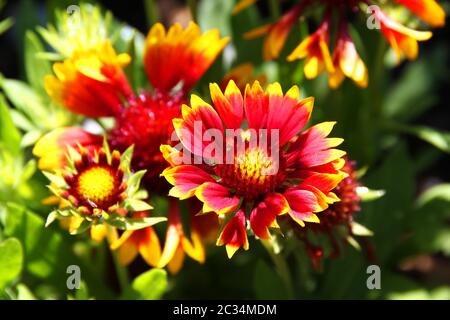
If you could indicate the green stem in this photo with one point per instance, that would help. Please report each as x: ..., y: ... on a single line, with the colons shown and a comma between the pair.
x: 274, y: 8
x: 121, y: 271
x: 193, y: 8
x: 281, y: 267
x: 151, y: 12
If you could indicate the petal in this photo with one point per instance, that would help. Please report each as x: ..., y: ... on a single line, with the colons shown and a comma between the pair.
x: 287, y: 114
x: 255, y: 106
x: 127, y: 253
x: 176, y: 263
x: 174, y: 235
x: 234, y: 235
x: 313, y: 148
x: 52, y: 147
x: 149, y: 246
x: 216, y: 198
x: 229, y: 106
x: 185, y: 179
x: 264, y: 215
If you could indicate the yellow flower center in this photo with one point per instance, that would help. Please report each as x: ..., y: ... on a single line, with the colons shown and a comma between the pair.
x: 253, y: 173
x: 96, y: 184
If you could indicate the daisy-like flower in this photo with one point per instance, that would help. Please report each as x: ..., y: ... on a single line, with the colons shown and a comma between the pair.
x: 292, y: 174
x: 99, y: 188
x: 316, y: 46
x: 91, y: 82
x: 180, y: 56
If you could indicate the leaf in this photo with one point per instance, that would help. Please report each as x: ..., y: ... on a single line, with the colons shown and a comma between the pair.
x: 24, y: 293
x: 36, y: 69
x: 367, y: 194
x: 267, y: 283
x: 133, y: 224
x: 149, y: 285
x: 9, y: 135
x: 138, y: 205
x: 11, y: 260
x: 23, y: 97
x: 437, y: 192
x: 437, y: 138
x: 6, y: 24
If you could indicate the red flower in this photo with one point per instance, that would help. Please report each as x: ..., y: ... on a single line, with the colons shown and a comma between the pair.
x: 250, y: 182
x: 180, y: 56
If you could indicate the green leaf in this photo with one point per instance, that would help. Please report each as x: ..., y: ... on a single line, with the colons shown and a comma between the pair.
x: 24, y: 98
x: 439, y: 139
x: 267, y: 283
x: 360, y: 230
x: 11, y: 260
x: 437, y: 192
x: 150, y: 285
x: 35, y: 68
x: 133, y: 224
x: 24, y: 293
x: 6, y: 24
x: 367, y: 194
x: 137, y: 205
x: 9, y: 135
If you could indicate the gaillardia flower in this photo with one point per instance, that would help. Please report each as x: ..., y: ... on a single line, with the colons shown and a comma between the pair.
x: 180, y: 56
x: 91, y: 82
x: 99, y: 187
x: 260, y: 166
x: 316, y: 47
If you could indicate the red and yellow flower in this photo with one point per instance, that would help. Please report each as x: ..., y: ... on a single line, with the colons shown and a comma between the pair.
x: 347, y: 62
x: 255, y: 186
x: 91, y: 82
x: 180, y: 57
x: 276, y: 33
x: 315, y: 48
x: 427, y: 10
x: 402, y: 39
x: 315, y: 51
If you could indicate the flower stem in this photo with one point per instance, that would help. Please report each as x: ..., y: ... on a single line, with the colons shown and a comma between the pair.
x: 121, y: 271
x: 274, y: 8
x: 281, y: 267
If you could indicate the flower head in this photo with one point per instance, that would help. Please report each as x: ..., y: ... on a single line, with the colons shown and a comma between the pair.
x: 99, y: 188
x: 91, y: 82
x: 427, y: 10
x: 180, y: 57
x: 402, y: 39
x: 145, y: 124
x: 291, y: 172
